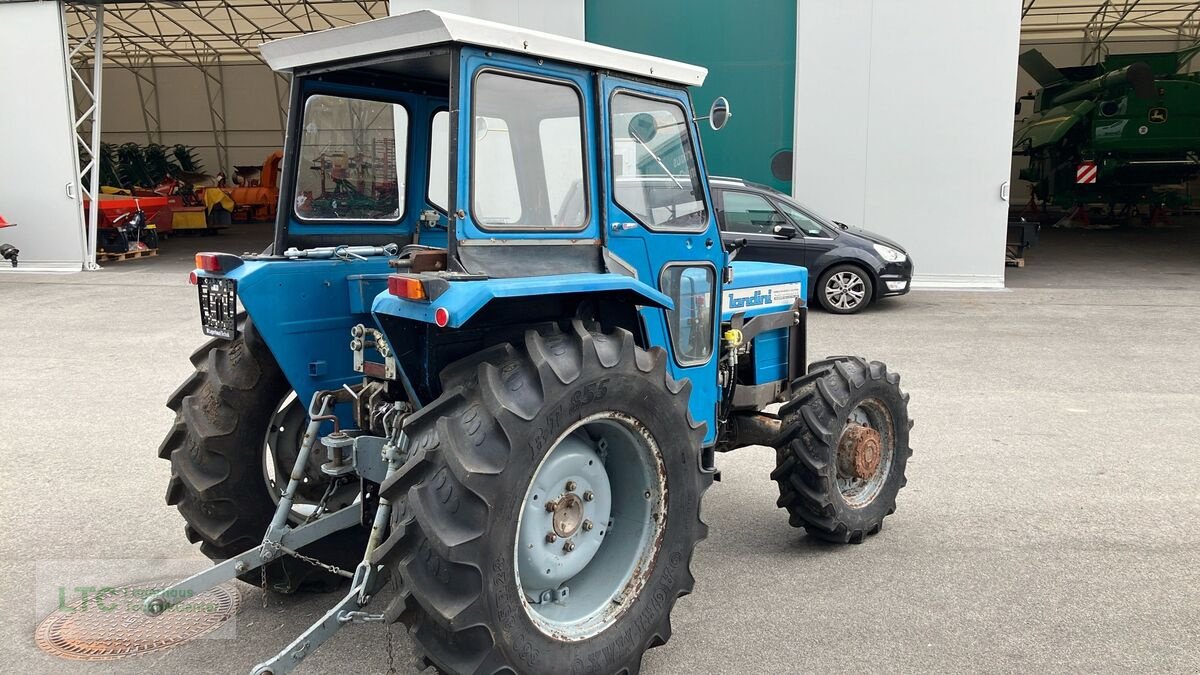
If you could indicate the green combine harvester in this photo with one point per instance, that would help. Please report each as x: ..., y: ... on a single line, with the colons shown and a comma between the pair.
x: 1119, y: 134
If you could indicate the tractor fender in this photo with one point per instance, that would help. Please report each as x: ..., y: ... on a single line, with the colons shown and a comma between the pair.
x: 462, y: 299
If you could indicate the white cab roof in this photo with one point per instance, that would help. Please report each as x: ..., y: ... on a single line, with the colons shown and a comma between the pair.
x: 429, y: 27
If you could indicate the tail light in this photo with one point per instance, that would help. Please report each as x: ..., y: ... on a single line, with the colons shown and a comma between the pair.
x: 409, y: 288
x: 217, y: 262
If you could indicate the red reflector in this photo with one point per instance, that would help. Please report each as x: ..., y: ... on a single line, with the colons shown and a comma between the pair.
x: 441, y: 316
x: 209, y: 262
x: 192, y: 278
x: 406, y: 287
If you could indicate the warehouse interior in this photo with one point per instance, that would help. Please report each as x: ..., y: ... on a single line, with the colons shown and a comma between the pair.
x: 1162, y: 245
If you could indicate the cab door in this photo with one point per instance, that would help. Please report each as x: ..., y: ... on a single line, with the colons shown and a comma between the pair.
x: 660, y: 224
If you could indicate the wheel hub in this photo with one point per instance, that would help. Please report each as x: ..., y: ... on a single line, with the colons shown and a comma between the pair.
x: 567, y: 514
x: 859, y: 451
x: 570, y: 489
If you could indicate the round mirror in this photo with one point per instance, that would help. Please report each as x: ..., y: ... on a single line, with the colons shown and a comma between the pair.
x: 719, y: 113
x: 643, y: 127
x: 481, y: 128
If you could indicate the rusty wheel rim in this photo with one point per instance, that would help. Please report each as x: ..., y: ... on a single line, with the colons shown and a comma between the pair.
x: 865, y: 450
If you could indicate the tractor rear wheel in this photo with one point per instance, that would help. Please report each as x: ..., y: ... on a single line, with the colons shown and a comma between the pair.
x: 237, y: 422
x: 546, y: 517
x: 844, y: 449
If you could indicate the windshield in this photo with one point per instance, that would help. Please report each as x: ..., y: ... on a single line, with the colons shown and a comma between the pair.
x: 527, y: 168
x: 348, y: 160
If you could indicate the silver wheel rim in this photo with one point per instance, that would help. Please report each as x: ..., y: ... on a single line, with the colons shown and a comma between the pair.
x: 283, y: 435
x: 857, y: 491
x: 581, y: 562
x: 845, y: 290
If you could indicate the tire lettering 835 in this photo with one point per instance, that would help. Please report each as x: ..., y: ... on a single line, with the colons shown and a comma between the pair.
x: 590, y: 393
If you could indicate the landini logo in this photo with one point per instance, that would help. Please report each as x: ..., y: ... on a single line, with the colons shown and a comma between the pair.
x: 759, y: 298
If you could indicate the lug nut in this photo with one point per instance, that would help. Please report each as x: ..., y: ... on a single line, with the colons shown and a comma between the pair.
x: 588, y: 496
x: 568, y: 547
x: 551, y: 538
x: 551, y: 505
x: 570, y: 486
x: 587, y: 525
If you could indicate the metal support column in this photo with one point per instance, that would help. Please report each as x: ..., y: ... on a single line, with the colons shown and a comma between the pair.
x: 84, y: 93
x: 215, y: 95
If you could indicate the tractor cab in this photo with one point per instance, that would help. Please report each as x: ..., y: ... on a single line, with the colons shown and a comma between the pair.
x: 503, y: 173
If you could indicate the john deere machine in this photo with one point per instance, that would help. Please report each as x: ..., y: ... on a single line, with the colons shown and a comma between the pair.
x: 1122, y: 133
x: 503, y: 387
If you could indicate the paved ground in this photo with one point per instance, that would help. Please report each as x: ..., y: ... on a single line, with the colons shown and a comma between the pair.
x: 1050, y: 522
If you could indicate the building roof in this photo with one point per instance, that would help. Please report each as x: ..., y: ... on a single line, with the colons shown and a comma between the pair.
x: 428, y: 27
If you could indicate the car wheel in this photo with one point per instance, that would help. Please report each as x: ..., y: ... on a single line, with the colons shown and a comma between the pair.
x: 844, y: 289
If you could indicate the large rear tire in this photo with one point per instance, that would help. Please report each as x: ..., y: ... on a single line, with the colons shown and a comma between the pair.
x: 844, y: 449
x: 222, y: 415
x: 590, y: 423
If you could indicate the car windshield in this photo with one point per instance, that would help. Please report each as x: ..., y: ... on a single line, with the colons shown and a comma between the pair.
x: 806, y: 220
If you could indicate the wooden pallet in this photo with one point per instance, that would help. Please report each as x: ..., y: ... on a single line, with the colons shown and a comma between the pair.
x: 128, y: 255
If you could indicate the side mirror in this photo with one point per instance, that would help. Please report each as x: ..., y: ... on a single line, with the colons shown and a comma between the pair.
x: 785, y: 231
x: 719, y: 113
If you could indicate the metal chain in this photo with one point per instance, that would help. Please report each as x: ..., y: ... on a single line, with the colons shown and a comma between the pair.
x: 322, y: 505
x: 264, y: 585
x: 391, y: 651
x: 317, y: 563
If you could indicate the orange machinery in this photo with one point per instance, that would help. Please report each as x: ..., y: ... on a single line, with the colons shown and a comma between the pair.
x: 258, y: 199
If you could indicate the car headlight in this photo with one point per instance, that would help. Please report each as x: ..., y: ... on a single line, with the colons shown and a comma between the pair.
x: 889, y: 254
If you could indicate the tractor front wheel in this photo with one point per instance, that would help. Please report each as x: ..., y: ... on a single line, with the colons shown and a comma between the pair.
x: 237, y: 428
x: 545, y: 519
x: 844, y: 450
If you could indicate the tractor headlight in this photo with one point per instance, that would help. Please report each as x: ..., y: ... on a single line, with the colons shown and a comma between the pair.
x: 890, y: 254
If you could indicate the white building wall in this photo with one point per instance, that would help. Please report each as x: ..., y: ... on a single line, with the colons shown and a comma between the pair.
x: 904, y: 126
x: 37, y: 153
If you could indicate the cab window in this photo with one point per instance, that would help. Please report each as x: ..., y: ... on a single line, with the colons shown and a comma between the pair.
x: 691, y: 322
x: 654, y: 173
x: 527, y: 162
x: 438, y: 193
x: 804, y: 222
x: 748, y: 213
x: 348, y: 167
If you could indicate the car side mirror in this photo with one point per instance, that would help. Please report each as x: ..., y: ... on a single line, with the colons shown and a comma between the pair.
x: 785, y: 231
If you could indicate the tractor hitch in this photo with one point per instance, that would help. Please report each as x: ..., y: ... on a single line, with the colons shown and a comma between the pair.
x: 374, y: 459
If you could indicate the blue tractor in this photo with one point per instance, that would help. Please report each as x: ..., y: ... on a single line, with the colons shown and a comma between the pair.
x: 493, y: 351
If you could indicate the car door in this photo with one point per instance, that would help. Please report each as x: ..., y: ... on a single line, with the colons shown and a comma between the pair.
x: 745, y: 214
x: 818, y: 239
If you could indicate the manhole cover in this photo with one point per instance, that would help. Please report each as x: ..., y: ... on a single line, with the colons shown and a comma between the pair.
x: 113, y: 626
